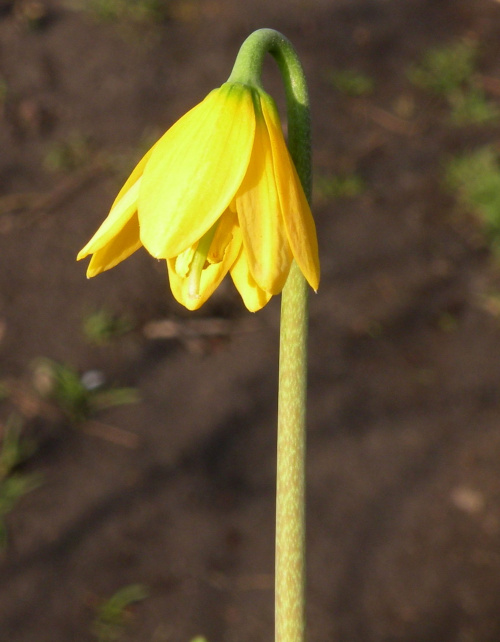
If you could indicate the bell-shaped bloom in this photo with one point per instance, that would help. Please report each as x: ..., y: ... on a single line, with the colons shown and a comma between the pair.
x: 217, y: 193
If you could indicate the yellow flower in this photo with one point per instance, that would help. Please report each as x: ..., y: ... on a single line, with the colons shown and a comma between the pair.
x: 217, y: 193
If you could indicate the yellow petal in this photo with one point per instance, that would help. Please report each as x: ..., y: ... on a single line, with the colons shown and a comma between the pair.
x: 211, y: 275
x: 297, y: 217
x: 120, y: 247
x: 223, y: 235
x: 117, y: 219
x: 259, y: 214
x: 253, y: 296
x: 195, y: 171
x: 123, y: 208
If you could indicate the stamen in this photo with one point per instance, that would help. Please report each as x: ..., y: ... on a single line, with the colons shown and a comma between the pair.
x: 198, y: 262
x: 183, y: 262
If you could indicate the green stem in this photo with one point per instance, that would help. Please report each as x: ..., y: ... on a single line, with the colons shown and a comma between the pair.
x: 290, y: 489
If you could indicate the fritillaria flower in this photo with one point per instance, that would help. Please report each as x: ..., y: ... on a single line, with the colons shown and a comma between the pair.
x: 217, y: 193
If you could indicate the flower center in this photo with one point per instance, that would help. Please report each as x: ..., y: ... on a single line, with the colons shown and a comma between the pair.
x: 198, y: 262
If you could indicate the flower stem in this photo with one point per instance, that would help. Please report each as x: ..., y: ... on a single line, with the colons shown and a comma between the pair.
x: 290, y: 489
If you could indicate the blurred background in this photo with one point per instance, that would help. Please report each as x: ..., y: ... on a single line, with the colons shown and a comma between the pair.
x: 137, y: 441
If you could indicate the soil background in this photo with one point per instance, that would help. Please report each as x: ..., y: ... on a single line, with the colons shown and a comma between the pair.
x: 176, y: 492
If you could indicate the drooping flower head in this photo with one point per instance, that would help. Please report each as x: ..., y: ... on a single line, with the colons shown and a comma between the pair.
x: 217, y: 193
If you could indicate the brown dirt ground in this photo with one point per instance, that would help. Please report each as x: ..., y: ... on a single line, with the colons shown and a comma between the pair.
x: 177, y: 492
